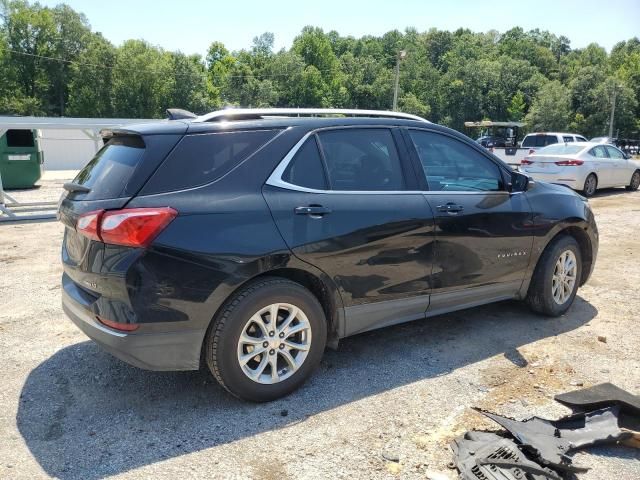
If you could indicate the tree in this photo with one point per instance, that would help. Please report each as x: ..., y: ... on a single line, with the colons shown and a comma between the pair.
x: 517, y: 107
x: 142, y: 81
x: 71, y: 35
x: 91, y: 79
x: 551, y: 109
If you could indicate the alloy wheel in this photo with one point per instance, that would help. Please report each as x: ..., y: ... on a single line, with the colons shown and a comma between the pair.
x: 564, y: 278
x: 590, y: 185
x: 274, y: 343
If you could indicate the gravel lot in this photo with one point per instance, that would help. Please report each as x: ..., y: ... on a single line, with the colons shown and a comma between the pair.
x: 69, y: 410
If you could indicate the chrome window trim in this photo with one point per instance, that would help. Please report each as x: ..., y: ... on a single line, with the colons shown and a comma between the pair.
x: 275, y: 179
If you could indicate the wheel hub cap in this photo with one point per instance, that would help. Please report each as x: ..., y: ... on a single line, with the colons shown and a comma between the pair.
x: 274, y: 343
x: 563, y: 281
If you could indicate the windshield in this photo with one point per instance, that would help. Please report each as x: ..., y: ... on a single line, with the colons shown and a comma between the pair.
x: 561, y: 149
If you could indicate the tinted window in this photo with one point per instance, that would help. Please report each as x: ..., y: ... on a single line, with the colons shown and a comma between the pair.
x: 306, y: 170
x: 539, y: 140
x: 580, y: 139
x: 450, y: 165
x: 361, y: 159
x: 200, y: 159
x: 599, y: 152
x: 567, y: 139
x: 614, y: 152
x: 19, y: 138
x: 109, y: 171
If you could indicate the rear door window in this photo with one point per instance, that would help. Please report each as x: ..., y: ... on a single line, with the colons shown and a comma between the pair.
x: 567, y: 139
x: 599, y: 152
x: 539, y: 140
x: 306, y: 169
x: 361, y: 159
x: 109, y: 171
x: 203, y: 158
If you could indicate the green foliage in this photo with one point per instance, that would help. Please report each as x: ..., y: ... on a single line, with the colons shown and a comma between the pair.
x: 53, y: 64
x: 516, y: 107
x: 551, y: 108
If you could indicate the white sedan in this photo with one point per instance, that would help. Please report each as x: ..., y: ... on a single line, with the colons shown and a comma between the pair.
x: 583, y: 166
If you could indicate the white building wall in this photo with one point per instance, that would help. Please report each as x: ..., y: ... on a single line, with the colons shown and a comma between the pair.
x: 66, y: 149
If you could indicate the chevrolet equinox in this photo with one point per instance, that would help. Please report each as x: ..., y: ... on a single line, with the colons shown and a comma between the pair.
x: 248, y: 240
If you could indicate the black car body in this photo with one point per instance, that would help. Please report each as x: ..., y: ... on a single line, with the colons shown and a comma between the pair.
x: 339, y: 206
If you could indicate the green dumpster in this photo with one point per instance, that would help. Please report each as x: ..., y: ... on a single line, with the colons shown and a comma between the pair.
x: 20, y: 158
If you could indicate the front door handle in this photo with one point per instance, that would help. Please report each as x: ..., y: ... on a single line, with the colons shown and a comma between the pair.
x: 312, y: 210
x: 450, y: 208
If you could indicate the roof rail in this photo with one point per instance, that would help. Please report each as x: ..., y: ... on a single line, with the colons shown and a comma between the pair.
x: 258, y: 113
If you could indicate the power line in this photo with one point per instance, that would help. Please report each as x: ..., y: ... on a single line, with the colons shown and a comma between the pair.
x: 111, y: 67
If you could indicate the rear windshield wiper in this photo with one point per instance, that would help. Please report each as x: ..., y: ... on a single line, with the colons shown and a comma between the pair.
x: 75, y: 187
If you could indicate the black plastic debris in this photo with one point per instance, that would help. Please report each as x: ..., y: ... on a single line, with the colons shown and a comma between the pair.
x: 487, y: 456
x: 549, y: 441
x: 606, y: 395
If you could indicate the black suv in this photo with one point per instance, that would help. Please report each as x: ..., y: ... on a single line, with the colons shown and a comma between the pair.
x: 248, y: 240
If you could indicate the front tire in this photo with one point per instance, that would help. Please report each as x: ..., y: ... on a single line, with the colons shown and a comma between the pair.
x: 556, y: 278
x: 634, y: 183
x: 266, y: 340
x: 590, y: 185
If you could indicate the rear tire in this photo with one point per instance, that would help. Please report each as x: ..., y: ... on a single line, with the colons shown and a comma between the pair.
x: 590, y: 185
x: 634, y: 183
x: 548, y: 292
x: 257, y: 360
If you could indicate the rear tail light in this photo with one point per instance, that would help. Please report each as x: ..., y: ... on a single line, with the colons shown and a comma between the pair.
x: 570, y: 163
x: 123, y: 327
x: 89, y: 224
x: 131, y: 227
x: 526, y: 161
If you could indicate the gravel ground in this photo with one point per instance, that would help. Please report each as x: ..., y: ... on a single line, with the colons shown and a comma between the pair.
x: 69, y: 410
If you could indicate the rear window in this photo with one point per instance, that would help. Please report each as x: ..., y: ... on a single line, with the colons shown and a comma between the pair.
x: 20, y: 138
x: 203, y: 158
x: 109, y: 171
x: 539, y: 140
x: 561, y: 149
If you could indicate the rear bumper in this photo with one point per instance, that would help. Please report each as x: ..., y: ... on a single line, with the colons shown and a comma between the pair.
x: 150, y: 351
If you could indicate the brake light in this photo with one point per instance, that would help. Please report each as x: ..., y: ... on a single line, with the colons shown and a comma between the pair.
x: 570, y: 163
x: 131, y: 227
x: 123, y: 327
x: 526, y: 161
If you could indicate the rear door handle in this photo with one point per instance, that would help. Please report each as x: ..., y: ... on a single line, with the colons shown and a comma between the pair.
x: 312, y: 210
x: 450, y: 208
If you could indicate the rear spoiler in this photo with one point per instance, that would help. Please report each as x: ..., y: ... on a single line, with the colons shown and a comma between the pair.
x: 180, y: 114
x: 109, y: 133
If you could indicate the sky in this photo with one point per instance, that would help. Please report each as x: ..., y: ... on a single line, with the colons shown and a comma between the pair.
x: 191, y: 25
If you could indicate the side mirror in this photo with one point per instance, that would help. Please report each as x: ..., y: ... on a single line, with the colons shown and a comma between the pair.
x: 627, y: 156
x: 519, y: 182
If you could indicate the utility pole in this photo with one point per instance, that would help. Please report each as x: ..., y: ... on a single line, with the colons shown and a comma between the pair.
x: 401, y: 55
x: 613, y: 110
